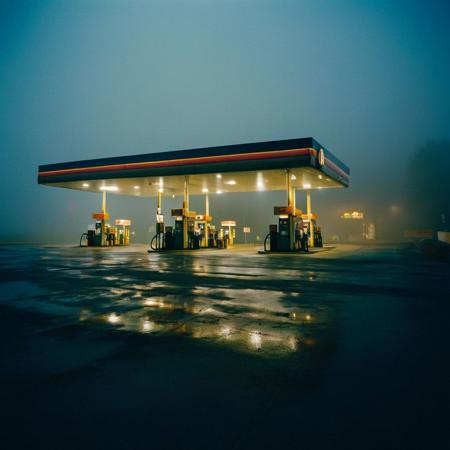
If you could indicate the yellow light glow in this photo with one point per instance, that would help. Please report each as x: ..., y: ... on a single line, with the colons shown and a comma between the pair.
x: 136, y: 187
x: 231, y: 182
x: 358, y: 215
x: 293, y: 343
x: 85, y: 185
x: 109, y: 188
x: 308, y: 317
x: 147, y: 326
x: 113, y: 318
x: 225, y: 331
x: 218, y: 191
x: 306, y: 186
x: 154, y: 302
x: 219, y: 176
x: 260, y: 182
x: 256, y: 339
x: 205, y: 190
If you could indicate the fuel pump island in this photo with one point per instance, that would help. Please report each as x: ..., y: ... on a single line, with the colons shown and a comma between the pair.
x: 286, y: 165
x: 102, y: 234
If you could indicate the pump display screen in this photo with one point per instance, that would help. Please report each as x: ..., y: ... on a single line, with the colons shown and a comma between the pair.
x: 284, y: 227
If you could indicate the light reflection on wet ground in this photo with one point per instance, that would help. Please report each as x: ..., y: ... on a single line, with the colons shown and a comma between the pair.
x: 271, y: 328
x: 201, y: 297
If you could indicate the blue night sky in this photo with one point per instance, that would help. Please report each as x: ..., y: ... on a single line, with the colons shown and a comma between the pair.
x: 86, y: 79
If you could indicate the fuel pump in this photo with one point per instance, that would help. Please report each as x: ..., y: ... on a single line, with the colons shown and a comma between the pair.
x: 98, y: 236
x: 102, y: 234
x: 285, y: 239
x: 296, y: 231
x: 158, y: 241
x: 184, y: 236
x: 311, y: 224
x: 120, y: 235
x: 190, y: 230
x: 212, y: 236
x: 221, y: 241
x: 230, y: 232
x: 287, y: 235
x: 202, y: 227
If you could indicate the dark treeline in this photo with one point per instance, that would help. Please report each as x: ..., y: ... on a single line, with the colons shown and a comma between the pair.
x: 428, y: 185
x: 411, y: 194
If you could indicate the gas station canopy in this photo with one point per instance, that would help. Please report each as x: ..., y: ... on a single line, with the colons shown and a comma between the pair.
x: 234, y: 168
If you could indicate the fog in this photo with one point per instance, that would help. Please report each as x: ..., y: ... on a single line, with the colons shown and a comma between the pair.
x: 89, y: 79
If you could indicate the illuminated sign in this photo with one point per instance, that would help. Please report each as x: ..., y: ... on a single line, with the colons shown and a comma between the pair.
x: 124, y: 222
x: 357, y: 215
x: 321, y: 157
x: 100, y: 216
x: 247, y: 230
x: 228, y: 223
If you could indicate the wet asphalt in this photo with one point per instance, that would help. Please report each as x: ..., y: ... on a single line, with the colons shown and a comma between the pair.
x: 118, y: 348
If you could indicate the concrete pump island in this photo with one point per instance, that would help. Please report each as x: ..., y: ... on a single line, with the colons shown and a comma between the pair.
x: 289, y: 165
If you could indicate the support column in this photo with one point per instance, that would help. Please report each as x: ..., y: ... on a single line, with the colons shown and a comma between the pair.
x: 290, y: 205
x: 230, y: 237
x: 159, y: 223
x: 104, y: 202
x: 288, y: 187
x: 186, y: 193
x: 103, y: 241
x: 309, y: 213
x: 294, y: 206
x: 158, y: 205
x: 206, y: 223
x: 185, y: 211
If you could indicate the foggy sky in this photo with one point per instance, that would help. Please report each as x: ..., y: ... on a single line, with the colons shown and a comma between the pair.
x: 88, y: 79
